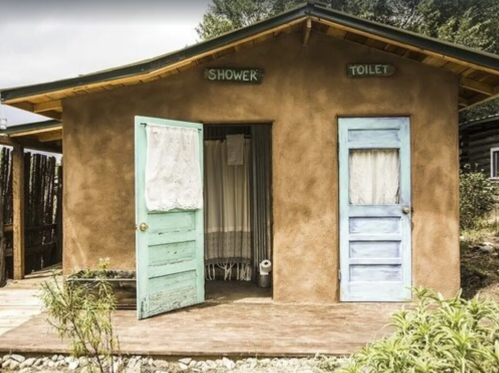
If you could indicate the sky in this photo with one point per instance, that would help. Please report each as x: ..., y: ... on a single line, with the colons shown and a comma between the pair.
x: 46, y: 40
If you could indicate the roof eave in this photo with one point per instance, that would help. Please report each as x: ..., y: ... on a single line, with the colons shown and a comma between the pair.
x: 153, y: 64
x: 484, y: 59
x: 463, y: 55
x: 47, y: 125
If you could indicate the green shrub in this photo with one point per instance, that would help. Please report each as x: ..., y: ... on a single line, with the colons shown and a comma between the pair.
x: 437, y: 335
x: 82, y: 314
x: 476, y: 193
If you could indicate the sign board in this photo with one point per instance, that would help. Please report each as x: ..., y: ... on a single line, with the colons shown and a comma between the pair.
x: 360, y: 70
x: 248, y: 75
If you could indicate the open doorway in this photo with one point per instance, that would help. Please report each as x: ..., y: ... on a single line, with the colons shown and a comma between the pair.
x: 237, y: 212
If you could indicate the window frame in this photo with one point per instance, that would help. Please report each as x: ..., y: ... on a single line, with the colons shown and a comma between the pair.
x: 492, y: 151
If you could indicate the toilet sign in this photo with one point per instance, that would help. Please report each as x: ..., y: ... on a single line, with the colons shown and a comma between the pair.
x: 245, y: 75
x: 360, y: 70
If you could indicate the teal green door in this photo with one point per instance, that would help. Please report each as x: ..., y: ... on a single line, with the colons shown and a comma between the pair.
x: 169, y: 245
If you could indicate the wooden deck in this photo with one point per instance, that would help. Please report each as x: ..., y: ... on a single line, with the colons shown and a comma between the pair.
x: 227, y: 329
x: 18, y: 300
x: 237, y: 321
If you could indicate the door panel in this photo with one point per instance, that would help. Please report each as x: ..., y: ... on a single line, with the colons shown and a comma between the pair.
x: 170, y: 251
x: 375, y: 209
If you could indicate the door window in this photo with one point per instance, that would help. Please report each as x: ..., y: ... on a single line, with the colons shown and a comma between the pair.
x: 374, y: 176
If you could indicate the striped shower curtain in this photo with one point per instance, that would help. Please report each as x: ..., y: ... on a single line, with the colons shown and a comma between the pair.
x: 228, y: 253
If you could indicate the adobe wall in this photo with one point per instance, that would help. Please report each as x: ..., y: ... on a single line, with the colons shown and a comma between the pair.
x: 305, y: 90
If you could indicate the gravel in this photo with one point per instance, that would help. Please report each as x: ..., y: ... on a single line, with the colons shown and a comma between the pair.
x: 139, y: 364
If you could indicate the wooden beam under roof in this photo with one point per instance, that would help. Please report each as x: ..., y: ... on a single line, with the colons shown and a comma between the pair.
x: 307, y: 29
x: 48, y: 106
x: 336, y: 33
x: 463, y: 102
x: 49, y: 136
x: 479, y: 87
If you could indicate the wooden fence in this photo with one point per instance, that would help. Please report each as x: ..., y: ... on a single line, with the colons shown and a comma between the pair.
x: 42, y: 210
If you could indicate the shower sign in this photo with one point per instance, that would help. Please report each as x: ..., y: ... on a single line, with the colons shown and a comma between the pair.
x: 238, y: 75
x: 361, y: 70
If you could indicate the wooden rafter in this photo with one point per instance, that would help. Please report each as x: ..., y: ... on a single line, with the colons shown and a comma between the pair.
x: 50, y: 136
x: 478, y: 86
x: 55, y: 105
x: 463, y: 102
x: 336, y: 33
x: 307, y: 29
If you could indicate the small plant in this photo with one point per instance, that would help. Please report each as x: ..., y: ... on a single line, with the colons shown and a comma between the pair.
x: 83, y: 313
x: 476, y: 193
x: 327, y: 363
x: 437, y: 336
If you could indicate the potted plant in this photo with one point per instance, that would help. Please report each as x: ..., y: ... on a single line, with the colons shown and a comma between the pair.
x: 123, y: 283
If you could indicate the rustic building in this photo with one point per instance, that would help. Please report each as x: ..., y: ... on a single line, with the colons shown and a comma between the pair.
x: 328, y: 144
x: 479, y: 145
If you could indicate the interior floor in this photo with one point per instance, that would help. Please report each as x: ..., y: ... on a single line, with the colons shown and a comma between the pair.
x: 237, y: 292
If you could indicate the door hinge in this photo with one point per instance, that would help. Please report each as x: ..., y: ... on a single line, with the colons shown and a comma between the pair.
x: 339, y: 275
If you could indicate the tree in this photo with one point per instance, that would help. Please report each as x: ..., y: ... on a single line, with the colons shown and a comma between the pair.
x: 469, y: 22
x: 226, y: 15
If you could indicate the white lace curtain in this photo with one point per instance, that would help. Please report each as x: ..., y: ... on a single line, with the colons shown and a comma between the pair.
x: 173, y: 169
x: 227, y: 213
x: 374, y: 177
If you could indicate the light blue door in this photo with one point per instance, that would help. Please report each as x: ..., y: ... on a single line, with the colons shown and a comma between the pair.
x: 375, y: 209
x: 169, y: 245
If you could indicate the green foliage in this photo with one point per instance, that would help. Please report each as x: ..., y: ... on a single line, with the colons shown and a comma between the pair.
x: 226, y: 15
x: 82, y: 313
x: 438, y: 335
x: 470, y: 22
x: 476, y: 197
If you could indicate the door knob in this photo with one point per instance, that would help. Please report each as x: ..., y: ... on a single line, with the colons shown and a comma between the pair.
x: 406, y: 210
x: 143, y: 227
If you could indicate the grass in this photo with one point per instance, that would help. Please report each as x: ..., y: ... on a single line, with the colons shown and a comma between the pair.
x: 479, y: 269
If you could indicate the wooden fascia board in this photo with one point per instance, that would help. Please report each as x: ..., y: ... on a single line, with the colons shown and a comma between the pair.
x: 36, y: 131
x: 44, y: 147
x: 29, y: 144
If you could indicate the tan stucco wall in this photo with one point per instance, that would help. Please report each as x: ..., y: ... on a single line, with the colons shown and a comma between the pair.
x: 305, y: 90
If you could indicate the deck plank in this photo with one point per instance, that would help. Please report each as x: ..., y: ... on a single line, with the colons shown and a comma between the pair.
x: 230, y: 329
x: 237, y: 326
x: 19, y: 300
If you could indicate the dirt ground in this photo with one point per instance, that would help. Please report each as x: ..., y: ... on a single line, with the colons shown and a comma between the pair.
x: 480, y: 268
